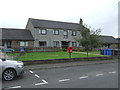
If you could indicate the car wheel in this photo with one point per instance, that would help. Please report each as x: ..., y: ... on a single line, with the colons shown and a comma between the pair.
x: 9, y: 74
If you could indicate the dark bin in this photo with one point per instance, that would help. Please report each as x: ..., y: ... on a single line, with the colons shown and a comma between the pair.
x: 105, y: 51
x: 108, y: 52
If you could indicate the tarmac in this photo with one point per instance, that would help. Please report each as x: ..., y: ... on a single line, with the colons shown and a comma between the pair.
x: 68, y: 64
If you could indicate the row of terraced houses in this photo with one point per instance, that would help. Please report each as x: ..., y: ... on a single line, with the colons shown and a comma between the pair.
x: 48, y: 34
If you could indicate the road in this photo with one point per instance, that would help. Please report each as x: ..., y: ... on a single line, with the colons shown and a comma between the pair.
x: 88, y: 76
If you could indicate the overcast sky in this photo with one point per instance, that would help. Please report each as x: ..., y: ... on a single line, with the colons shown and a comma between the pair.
x: 95, y: 13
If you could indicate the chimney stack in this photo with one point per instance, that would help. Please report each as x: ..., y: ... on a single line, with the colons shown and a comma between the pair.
x: 81, y: 21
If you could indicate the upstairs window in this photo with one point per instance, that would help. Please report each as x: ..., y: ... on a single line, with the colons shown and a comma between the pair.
x: 65, y: 33
x: 42, y: 31
x: 56, y: 32
x: 74, y: 33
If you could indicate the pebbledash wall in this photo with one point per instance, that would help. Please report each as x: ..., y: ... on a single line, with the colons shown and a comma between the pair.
x: 49, y: 37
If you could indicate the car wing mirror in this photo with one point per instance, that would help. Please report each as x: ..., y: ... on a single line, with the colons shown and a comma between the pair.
x: 3, y: 59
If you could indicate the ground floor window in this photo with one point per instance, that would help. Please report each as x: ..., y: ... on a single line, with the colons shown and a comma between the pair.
x: 6, y: 44
x: 42, y: 43
x: 106, y: 45
x: 74, y: 44
x: 56, y: 44
x: 24, y: 43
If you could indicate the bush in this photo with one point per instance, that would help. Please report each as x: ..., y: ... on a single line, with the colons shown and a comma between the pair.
x: 64, y: 49
x: 82, y: 50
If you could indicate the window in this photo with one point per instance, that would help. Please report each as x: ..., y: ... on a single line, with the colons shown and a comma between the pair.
x: 74, y: 44
x: 65, y: 33
x: 74, y: 33
x: 42, y: 43
x: 55, y: 43
x: 7, y: 44
x: 42, y: 31
x: 24, y: 43
x: 56, y: 32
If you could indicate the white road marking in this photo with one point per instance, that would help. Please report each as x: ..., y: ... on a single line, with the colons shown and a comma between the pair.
x: 37, y: 76
x: 14, y: 87
x: 39, y: 84
x: 64, y: 80
x: 83, y: 77
x: 99, y: 74
x: 44, y: 82
x: 112, y: 72
x: 31, y: 71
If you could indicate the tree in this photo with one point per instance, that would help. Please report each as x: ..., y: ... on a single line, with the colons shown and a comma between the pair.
x: 90, y: 39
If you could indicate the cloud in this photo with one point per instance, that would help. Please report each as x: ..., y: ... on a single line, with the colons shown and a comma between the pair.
x: 95, y: 13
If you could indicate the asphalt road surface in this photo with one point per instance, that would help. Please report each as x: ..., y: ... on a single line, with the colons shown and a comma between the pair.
x: 88, y: 76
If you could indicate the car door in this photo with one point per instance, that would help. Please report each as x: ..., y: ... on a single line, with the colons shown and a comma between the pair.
x: 0, y: 74
x: 0, y: 68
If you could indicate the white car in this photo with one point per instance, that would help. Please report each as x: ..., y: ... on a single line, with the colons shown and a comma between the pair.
x: 9, y: 69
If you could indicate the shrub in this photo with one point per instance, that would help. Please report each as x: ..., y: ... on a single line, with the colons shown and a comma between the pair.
x: 64, y: 49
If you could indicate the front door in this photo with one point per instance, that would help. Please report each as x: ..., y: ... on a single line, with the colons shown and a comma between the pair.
x: 65, y: 44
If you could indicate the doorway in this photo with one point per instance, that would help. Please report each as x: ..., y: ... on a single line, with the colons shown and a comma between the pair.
x: 65, y: 44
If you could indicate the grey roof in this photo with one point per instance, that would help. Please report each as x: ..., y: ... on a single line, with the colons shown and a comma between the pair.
x: 39, y: 23
x: 16, y: 34
x: 108, y: 39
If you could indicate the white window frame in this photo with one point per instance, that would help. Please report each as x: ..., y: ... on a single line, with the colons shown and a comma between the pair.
x: 56, y: 32
x: 74, y: 33
x: 43, y: 31
x: 56, y: 44
x: 24, y: 43
x: 65, y: 34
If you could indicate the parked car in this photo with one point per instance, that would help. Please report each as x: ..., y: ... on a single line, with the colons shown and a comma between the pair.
x: 8, y: 50
x: 10, y: 69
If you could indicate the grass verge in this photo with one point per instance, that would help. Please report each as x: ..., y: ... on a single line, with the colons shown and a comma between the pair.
x: 50, y: 55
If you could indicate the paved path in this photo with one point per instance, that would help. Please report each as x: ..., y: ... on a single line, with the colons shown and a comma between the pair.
x: 68, y: 64
x: 86, y: 53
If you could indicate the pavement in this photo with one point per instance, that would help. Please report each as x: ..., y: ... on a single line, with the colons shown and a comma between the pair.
x: 67, y: 64
x: 86, y: 53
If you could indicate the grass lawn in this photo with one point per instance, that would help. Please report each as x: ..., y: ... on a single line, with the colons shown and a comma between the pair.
x: 50, y: 55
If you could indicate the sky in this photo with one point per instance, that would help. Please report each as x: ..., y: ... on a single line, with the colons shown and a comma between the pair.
x: 101, y: 14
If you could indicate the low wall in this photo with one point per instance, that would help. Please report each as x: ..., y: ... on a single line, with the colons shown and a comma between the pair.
x: 31, y: 62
